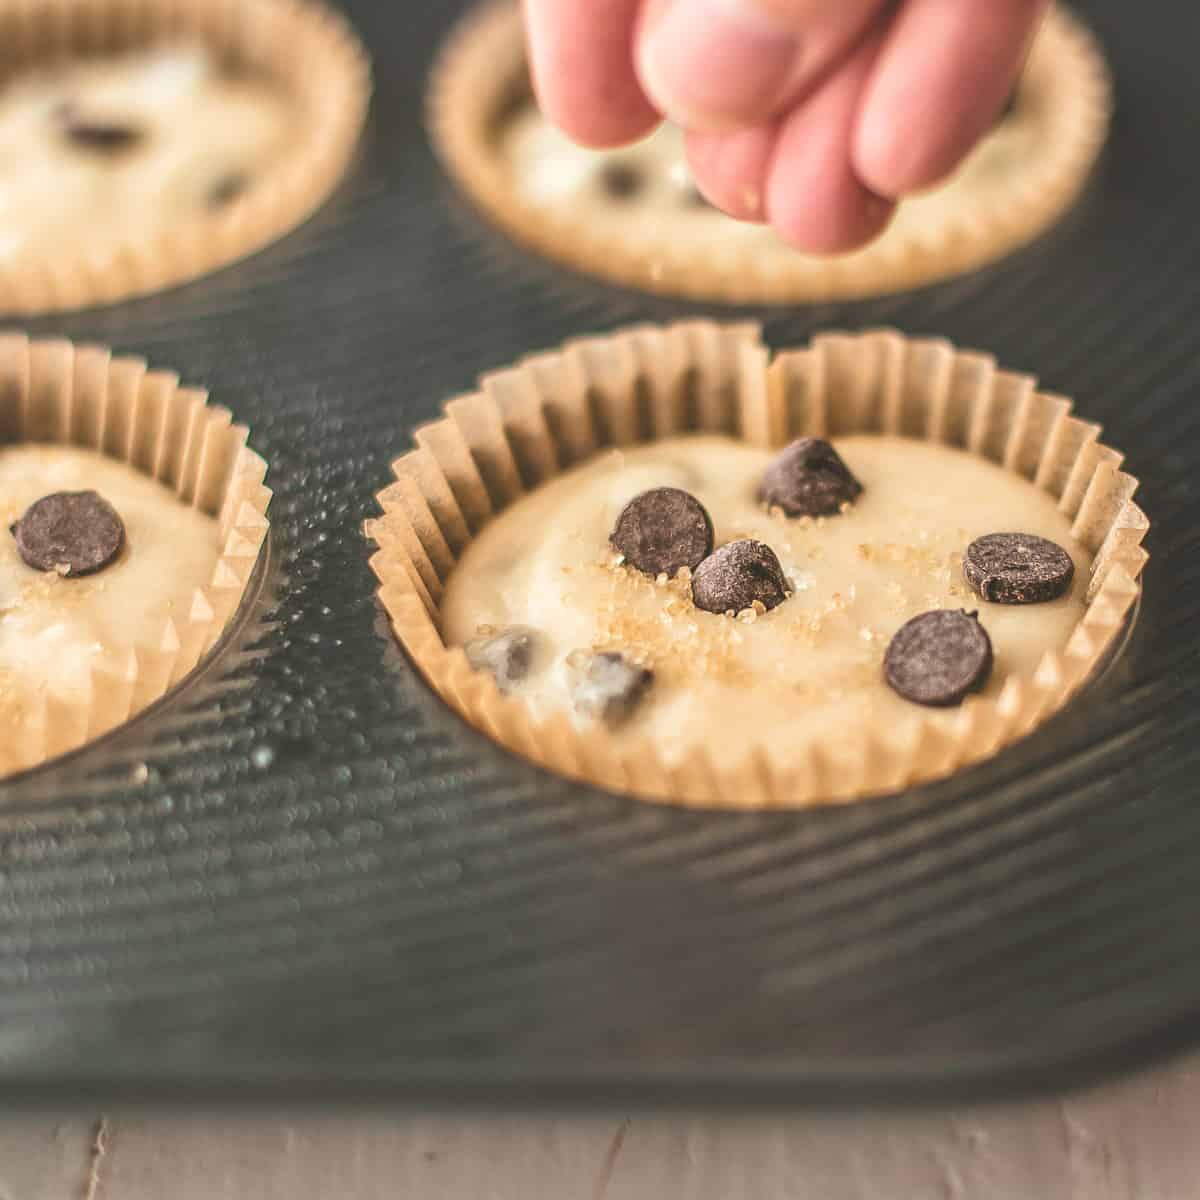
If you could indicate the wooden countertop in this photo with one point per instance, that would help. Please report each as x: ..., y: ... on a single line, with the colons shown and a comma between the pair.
x: 1135, y: 1140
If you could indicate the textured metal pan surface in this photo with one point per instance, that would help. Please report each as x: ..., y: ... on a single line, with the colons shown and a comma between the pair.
x: 305, y: 880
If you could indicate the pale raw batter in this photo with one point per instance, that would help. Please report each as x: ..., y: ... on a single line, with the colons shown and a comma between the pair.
x: 55, y: 630
x: 205, y: 134
x: 810, y: 666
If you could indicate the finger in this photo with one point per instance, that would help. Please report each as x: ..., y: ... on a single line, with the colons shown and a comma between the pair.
x: 581, y: 58
x: 721, y: 64
x: 813, y: 197
x: 942, y: 76
x: 730, y: 169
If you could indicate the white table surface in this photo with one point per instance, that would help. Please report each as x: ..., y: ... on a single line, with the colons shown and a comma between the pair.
x: 1135, y: 1140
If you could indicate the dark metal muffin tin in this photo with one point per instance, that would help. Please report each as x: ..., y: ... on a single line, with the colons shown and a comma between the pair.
x: 304, y: 880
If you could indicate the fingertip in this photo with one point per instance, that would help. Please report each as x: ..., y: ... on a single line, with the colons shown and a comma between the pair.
x: 941, y: 78
x: 814, y: 199
x: 581, y: 64
x: 898, y: 149
x: 887, y: 163
x: 731, y: 170
x: 714, y: 65
x: 598, y: 127
x: 844, y: 220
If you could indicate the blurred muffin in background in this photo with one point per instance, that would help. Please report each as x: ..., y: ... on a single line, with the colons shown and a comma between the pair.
x: 633, y: 215
x: 145, y: 144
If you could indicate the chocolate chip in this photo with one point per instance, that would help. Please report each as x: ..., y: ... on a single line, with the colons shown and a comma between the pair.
x: 508, y: 656
x: 662, y: 530
x: 608, y: 687
x: 74, y: 533
x: 1017, y: 568
x: 735, y: 576
x: 227, y: 189
x: 938, y: 657
x: 809, y: 479
x: 621, y: 180
x: 95, y: 132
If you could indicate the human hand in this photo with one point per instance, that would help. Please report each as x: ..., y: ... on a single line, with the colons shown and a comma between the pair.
x: 812, y: 115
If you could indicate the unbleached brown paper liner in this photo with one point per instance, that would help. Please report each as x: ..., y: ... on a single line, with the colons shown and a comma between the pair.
x: 52, y: 392
x: 554, y: 410
x: 482, y: 75
x: 307, y: 49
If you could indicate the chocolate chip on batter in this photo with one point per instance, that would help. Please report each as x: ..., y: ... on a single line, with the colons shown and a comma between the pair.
x: 508, y: 655
x: 73, y: 533
x: 938, y: 658
x: 95, y: 132
x: 621, y: 180
x: 227, y: 188
x: 735, y: 576
x: 662, y: 530
x: 809, y: 479
x: 608, y: 687
x: 1017, y: 568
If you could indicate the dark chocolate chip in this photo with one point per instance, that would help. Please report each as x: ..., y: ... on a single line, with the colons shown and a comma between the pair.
x: 939, y: 657
x: 95, y: 132
x: 608, y: 687
x: 809, y: 479
x: 74, y: 533
x: 227, y: 188
x: 1017, y: 568
x: 662, y: 530
x: 508, y: 655
x: 735, y: 576
x: 621, y: 180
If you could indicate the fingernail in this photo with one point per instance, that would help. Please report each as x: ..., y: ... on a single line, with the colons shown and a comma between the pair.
x: 716, y: 63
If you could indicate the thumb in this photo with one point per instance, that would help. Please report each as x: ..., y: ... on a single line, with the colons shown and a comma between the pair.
x: 721, y: 64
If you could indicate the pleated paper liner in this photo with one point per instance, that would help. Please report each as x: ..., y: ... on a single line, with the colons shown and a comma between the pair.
x: 52, y: 392
x: 481, y: 78
x: 306, y: 49
x: 554, y: 410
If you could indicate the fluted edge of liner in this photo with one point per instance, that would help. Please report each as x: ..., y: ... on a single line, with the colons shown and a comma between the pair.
x: 54, y: 392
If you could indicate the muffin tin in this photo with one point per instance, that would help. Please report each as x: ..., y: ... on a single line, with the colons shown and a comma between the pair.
x: 303, y: 879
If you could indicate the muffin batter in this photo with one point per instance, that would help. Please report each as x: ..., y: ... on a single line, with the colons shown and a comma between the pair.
x: 815, y: 661
x: 55, y: 629
x: 108, y: 151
